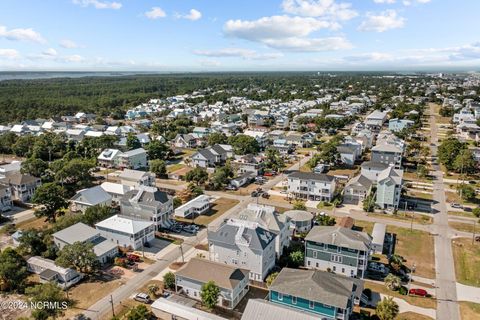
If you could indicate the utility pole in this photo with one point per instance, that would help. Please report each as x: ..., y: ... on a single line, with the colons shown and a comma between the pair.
x: 181, y: 251
x: 411, y: 222
x: 111, y: 303
x: 473, y: 237
x: 411, y: 275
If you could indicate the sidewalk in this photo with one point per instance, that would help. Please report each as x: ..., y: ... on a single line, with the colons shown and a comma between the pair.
x: 468, y: 293
x: 407, y: 307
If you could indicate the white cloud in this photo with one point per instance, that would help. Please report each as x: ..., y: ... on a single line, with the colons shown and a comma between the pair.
x: 68, y: 44
x: 373, y: 56
x: 309, y: 44
x: 447, y: 56
x: 20, y: 34
x: 193, y: 15
x: 73, y: 58
x: 9, y: 53
x: 384, y: 1
x: 155, y: 13
x: 319, y: 8
x: 287, y: 33
x: 410, y: 2
x: 275, y: 27
x: 50, y: 52
x: 97, y: 4
x: 238, y: 52
x: 382, y: 22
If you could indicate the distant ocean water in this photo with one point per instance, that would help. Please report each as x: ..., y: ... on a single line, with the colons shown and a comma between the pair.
x: 49, y: 75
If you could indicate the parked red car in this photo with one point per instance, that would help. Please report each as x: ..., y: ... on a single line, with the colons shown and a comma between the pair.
x: 418, y: 292
x: 133, y: 257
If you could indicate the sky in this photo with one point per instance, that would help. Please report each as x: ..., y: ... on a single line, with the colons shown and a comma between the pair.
x: 239, y: 35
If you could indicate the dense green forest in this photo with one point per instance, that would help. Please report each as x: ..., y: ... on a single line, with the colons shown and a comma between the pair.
x: 31, y: 99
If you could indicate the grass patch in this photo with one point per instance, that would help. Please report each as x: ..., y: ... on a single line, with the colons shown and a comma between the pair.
x: 417, y: 247
x: 33, y: 223
x: 174, y: 167
x: 466, y: 227
x: 416, y: 301
x: 344, y: 172
x: 405, y: 216
x: 88, y: 292
x: 420, y: 195
x: 305, y: 168
x: 412, y: 316
x: 364, y: 226
x: 469, y: 310
x: 467, y: 261
x: 324, y: 205
x: 461, y: 214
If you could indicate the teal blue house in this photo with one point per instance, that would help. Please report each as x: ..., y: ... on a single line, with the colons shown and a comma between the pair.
x: 321, y: 293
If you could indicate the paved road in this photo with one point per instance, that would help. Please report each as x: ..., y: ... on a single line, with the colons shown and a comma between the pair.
x: 102, y: 308
x: 447, y: 306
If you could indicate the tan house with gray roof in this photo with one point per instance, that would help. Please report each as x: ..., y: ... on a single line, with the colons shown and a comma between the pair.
x: 232, y: 281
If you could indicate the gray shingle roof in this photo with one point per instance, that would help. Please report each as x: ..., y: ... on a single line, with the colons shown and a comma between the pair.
x: 360, y: 180
x: 374, y: 165
x: 149, y: 196
x: 203, y: 270
x: 92, y: 196
x: 258, y: 239
x: 339, y: 236
x: 315, y: 285
x: 258, y: 309
x: 311, y: 176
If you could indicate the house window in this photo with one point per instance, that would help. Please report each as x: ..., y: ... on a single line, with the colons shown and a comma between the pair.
x: 280, y: 296
x: 343, y: 270
x: 339, y: 249
x: 308, y: 262
x: 312, y: 304
x: 334, y: 268
x: 294, y: 300
x: 315, y: 254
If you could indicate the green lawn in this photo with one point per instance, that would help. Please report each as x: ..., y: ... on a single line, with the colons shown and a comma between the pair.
x: 324, y: 205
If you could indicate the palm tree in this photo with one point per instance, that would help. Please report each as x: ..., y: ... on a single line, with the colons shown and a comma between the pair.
x: 387, y: 309
x: 396, y: 262
x: 393, y: 282
x: 153, y: 289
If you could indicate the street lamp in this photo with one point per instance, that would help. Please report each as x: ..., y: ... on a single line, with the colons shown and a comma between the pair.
x: 412, y: 271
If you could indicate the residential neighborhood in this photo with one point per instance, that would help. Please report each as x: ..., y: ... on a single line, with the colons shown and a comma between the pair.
x: 331, y: 207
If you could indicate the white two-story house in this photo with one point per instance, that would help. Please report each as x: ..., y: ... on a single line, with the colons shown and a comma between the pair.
x: 246, y: 248
x: 311, y: 186
x: 257, y: 215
